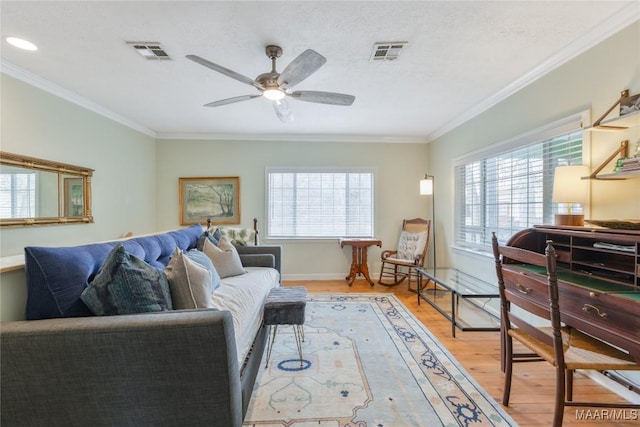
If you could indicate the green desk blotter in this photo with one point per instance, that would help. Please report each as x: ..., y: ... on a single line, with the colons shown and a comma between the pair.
x: 589, y: 282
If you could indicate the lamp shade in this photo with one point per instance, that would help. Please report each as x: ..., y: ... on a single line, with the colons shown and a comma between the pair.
x: 569, y: 188
x: 568, y: 185
x: 426, y: 186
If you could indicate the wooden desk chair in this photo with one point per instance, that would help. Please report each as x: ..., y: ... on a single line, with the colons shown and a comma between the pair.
x: 565, y: 348
x: 411, y: 252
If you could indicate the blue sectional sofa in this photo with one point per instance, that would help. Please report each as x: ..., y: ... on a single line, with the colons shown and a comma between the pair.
x: 64, y: 366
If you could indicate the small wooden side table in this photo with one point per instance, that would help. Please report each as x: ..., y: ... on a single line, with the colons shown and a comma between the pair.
x: 359, y: 257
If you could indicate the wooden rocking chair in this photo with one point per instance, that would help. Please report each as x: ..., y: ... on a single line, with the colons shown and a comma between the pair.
x: 411, y: 252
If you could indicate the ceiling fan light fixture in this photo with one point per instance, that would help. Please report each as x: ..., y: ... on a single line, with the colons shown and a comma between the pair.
x: 273, y: 94
x: 276, y: 86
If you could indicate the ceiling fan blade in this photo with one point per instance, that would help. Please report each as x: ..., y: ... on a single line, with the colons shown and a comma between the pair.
x: 324, y: 97
x: 221, y: 69
x: 283, y: 110
x: 231, y: 100
x: 301, y: 67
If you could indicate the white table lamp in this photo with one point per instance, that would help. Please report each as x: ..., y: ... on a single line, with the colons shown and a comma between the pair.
x: 570, y: 188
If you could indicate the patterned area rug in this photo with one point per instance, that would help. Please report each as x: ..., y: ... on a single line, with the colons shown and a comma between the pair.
x: 367, y: 361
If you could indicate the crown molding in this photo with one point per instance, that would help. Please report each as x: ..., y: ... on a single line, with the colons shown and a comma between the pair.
x: 617, y: 22
x: 281, y: 137
x: 12, y: 70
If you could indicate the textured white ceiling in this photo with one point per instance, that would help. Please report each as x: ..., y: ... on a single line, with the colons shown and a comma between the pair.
x: 462, y: 56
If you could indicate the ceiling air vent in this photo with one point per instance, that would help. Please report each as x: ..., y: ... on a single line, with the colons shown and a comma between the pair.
x: 149, y: 50
x: 387, y: 51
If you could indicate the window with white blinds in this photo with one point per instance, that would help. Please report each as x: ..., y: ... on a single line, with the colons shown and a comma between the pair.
x: 511, y: 189
x: 17, y: 195
x: 308, y: 203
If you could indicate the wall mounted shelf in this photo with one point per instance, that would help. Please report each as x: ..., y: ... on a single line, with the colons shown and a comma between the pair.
x: 616, y: 124
x: 616, y: 175
x: 623, y: 152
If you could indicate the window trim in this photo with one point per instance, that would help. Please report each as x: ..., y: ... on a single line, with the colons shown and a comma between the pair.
x: 547, y: 131
x: 317, y: 169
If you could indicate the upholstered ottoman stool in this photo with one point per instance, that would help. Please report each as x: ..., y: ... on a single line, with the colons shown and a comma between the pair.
x: 285, y: 306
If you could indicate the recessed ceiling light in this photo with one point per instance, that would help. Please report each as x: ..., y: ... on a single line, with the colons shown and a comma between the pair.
x: 21, y: 43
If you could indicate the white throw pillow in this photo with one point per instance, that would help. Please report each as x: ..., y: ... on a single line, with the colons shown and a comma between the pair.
x: 191, y: 284
x: 224, y: 257
x: 411, y: 245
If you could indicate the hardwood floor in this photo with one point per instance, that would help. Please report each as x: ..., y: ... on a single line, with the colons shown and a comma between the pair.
x: 533, y: 384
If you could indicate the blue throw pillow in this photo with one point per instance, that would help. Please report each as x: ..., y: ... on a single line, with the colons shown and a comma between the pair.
x: 126, y: 284
x: 217, y: 234
x: 206, y: 235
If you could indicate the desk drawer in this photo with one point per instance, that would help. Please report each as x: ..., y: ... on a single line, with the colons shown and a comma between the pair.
x: 528, y: 286
x: 607, y: 316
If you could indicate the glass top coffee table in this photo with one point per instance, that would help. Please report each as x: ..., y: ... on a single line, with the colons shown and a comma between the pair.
x: 460, y: 297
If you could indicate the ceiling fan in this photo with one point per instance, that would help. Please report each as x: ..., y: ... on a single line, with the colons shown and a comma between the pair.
x: 277, y: 86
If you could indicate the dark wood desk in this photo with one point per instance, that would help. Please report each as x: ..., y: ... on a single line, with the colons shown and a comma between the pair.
x: 359, y: 257
x: 598, y: 279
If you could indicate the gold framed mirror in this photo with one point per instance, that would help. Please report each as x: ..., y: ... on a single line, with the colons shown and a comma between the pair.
x: 36, y: 192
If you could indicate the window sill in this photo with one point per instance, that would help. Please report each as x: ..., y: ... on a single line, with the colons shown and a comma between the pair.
x: 478, y: 253
x: 297, y: 240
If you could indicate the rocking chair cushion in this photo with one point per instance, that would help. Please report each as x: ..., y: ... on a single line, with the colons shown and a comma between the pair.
x: 411, y: 245
x: 398, y: 261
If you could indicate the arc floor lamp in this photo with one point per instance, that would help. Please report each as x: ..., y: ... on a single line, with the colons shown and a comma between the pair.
x: 427, y: 189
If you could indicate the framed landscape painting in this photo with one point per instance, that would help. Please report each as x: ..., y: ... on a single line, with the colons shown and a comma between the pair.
x: 215, y: 198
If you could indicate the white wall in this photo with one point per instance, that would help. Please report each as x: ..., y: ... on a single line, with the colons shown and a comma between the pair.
x: 38, y: 124
x: 398, y: 169
x: 592, y: 80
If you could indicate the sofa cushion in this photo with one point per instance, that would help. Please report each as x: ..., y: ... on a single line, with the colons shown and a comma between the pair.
x: 191, y: 283
x: 126, y: 284
x: 244, y: 297
x: 224, y: 257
